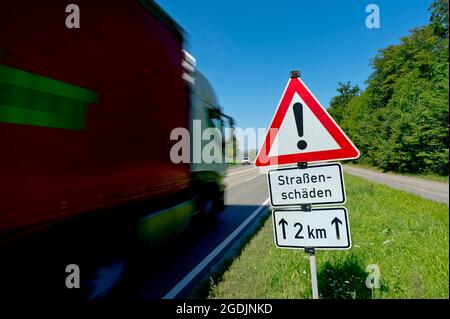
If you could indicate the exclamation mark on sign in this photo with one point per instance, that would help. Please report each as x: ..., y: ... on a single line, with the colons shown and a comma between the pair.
x: 298, y: 114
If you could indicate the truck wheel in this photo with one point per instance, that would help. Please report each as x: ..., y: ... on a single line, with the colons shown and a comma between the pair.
x: 212, y: 201
x: 220, y: 202
x: 102, y: 278
x: 100, y: 254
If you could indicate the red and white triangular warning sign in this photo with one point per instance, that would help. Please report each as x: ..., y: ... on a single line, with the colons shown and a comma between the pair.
x: 303, y: 131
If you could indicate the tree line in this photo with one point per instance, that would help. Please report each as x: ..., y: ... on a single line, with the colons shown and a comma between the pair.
x: 400, y: 121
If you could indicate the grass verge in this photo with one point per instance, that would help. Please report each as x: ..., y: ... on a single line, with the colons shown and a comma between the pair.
x: 403, y: 235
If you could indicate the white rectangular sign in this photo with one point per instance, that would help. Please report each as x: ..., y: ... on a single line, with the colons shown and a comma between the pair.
x: 326, y: 228
x: 318, y: 184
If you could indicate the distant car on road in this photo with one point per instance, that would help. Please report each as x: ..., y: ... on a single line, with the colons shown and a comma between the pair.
x: 246, y: 161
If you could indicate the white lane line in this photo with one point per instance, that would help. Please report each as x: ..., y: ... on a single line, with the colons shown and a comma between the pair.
x: 246, y: 170
x: 194, y: 272
x: 249, y: 179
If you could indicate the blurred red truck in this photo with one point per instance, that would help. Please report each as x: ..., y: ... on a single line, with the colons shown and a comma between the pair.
x: 86, y: 116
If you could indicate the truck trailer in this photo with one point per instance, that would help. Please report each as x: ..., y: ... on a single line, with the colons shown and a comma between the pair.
x: 86, y: 115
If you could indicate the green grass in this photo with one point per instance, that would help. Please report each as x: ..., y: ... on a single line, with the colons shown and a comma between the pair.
x: 430, y: 176
x: 404, y: 235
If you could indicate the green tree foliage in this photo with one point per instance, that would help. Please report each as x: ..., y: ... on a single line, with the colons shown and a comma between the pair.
x: 231, y: 150
x: 400, y: 122
x: 439, y: 18
x: 338, y: 103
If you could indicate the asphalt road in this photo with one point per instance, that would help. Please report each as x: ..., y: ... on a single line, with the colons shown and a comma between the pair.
x: 437, y: 191
x: 173, y: 269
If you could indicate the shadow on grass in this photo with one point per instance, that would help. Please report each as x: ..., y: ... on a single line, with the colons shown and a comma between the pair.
x: 345, y: 279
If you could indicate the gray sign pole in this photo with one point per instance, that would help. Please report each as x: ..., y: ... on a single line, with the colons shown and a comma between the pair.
x: 310, y: 251
x: 312, y: 265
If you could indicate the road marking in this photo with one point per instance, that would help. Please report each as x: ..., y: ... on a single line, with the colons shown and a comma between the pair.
x: 246, y: 170
x: 194, y: 272
x: 249, y: 179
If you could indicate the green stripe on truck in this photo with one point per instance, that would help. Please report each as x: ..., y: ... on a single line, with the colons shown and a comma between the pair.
x: 30, y: 99
x: 28, y: 80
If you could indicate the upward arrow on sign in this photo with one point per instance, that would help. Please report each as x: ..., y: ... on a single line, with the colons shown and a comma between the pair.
x: 303, y: 131
x: 283, y: 224
x: 336, y: 221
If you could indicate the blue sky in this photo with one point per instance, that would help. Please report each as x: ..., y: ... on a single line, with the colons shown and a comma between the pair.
x: 246, y: 48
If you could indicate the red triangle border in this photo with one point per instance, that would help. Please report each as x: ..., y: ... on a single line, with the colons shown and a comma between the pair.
x: 347, y: 149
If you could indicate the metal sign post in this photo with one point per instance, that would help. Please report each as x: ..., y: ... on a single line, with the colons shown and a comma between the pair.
x: 312, y: 266
x: 309, y: 250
